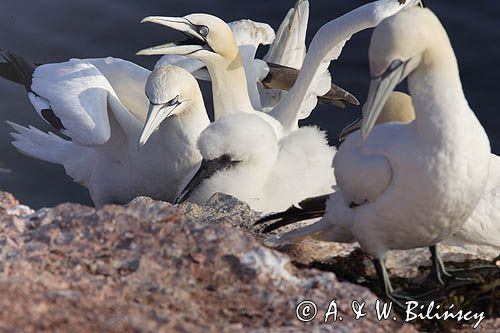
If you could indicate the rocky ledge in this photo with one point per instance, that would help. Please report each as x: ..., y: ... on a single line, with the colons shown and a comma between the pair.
x: 153, y: 267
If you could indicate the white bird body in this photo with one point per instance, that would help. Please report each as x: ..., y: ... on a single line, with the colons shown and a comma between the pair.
x: 103, y: 154
x: 426, y: 176
x: 404, y: 186
x: 267, y: 173
x: 483, y: 226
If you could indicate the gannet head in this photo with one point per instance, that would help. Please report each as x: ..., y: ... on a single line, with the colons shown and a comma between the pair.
x: 170, y: 91
x: 232, y: 141
x: 397, y: 48
x: 207, y: 36
x: 398, y: 108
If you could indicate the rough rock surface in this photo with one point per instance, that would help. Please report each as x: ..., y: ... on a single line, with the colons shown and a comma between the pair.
x: 154, y: 267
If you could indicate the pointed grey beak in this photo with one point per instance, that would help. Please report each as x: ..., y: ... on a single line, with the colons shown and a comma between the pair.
x: 206, y: 170
x: 156, y: 115
x: 380, y: 89
x: 194, y: 42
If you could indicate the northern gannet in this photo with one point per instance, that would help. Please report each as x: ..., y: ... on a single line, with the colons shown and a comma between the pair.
x: 102, y: 153
x: 243, y: 157
x: 409, y: 185
x: 398, y: 108
x: 213, y: 43
x: 482, y: 227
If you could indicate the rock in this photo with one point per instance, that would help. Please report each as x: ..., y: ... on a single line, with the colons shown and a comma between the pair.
x: 155, y: 267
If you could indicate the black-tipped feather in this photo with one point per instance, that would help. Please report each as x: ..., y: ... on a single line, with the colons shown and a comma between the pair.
x: 17, y: 69
x: 308, y: 209
x: 20, y: 70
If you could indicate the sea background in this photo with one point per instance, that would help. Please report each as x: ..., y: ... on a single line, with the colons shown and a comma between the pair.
x: 55, y: 30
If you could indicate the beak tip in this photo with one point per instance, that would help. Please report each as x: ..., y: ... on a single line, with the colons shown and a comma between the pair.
x: 147, y: 19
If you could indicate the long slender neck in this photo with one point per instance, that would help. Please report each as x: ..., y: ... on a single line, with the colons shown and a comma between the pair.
x: 229, y: 85
x: 325, y: 47
x: 441, y: 109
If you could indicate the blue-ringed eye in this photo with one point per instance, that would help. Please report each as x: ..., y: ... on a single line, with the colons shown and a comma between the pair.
x: 203, y: 30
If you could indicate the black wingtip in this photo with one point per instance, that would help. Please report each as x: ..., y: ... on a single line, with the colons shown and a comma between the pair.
x: 17, y: 69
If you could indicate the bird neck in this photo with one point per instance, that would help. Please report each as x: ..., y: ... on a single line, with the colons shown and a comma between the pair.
x: 325, y: 47
x: 229, y: 85
x: 441, y: 109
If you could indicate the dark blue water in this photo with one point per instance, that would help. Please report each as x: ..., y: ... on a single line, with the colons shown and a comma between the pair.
x: 54, y: 30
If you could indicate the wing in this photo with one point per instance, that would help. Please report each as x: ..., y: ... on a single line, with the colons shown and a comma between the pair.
x: 289, y: 46
x: 76, y: 93
x: 361, y: 175
x: 128, y: 81
x: 288, y: 49
x: 494, y: 173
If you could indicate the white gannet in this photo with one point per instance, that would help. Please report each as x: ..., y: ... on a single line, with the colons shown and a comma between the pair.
x: 409, y: 185
x: 243, y: 157
x: 213, y: 43
x: 398, y: 108
x: 482, y: 227
x: 103, y: 155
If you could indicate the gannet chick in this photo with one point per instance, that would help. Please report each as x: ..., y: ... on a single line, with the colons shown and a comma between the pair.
x: 102, y: 154
x: 404, y: 186
x: 243, y: 157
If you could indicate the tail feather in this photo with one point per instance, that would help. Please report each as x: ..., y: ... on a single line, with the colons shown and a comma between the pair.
x: 37, y: 144
x: 299, y: 234
x: 17, y: 69
x: 307, y: 209
x: 52, y: 148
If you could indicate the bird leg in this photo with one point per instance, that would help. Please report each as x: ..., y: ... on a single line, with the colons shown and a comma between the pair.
x: 386, y: 286
x: 438, y: 271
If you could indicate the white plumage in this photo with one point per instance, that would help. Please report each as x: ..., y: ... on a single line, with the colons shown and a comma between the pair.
x: 103, y: 154
x: 409, y: 185
x: 243, y: 157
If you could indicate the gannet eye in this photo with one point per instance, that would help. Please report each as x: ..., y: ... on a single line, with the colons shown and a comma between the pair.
x: 174, y: 101
x: 394, y: 65
x: 203, y: 30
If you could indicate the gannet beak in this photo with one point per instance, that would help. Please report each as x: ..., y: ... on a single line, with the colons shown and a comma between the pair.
x: 381, y: 88
x: 352, y: 127
x: 156, y: 115
x: 283, y: 78
x: 193, y: 43
x: 206, y: 170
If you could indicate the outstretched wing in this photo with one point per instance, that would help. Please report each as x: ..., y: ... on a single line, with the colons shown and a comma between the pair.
x: 128, y: 81
x: 289, y: 46
x: 76, y: 93
x: 288, y: 49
